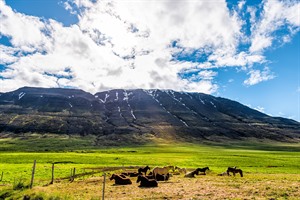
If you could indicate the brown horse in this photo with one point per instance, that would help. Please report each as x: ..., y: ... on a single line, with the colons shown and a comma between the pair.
x: 192, y: 174
x: 145, y: 182
x: 234, y: 170
x: 145, y: 169
x: 181, y: 170
x: 119, y: 180
x: 163, y: 170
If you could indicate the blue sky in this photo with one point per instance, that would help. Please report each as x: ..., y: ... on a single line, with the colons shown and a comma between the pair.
x: 247, y: 51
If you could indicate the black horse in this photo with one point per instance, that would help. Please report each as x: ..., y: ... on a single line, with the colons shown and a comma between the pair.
x: 120, y: 180
x: 234, y: 170
x: 162, y: 177
x: 145, y: 182
x: 203, y: 169
x: 145, y: 169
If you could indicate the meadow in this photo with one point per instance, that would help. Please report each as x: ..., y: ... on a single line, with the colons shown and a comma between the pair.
x: 271, y: 170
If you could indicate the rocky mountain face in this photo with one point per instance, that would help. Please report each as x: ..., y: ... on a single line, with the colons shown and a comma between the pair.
x: 114, y: 114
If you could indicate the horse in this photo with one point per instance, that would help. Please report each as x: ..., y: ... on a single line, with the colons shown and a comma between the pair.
x: 120, y: 181
x: 122, y: 175
x: 181, y: 170
x: 145, y: 169
x: 145, y: 182
x: 160, y: 177
x: 234, y: 170
x: 131, y: 174
x: 162, y: 170
x: 223, y: 174
x: 203, y: 169
x: 192, y: 174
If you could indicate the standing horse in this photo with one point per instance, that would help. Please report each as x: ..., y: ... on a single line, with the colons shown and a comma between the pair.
x: 162, y: 170
x: 203, y: 169
x: 145, y: 169
x: 234, y: 170
x: 145, y: 182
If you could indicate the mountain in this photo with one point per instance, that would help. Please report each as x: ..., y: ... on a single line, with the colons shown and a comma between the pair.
x: 130, y: 114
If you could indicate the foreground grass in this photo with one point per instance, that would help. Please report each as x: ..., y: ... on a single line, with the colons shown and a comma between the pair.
x: 252, y: 186
x: 271, y: 170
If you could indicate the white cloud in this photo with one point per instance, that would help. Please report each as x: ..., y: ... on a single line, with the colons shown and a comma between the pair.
x: 207, y: 74
x: 133, y: 44
x: 260, y: 109
x: 276, y: 15
x: 26, y: 32
x: 257, y: 76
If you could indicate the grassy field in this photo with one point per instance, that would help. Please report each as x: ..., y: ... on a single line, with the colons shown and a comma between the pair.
x: 272, y: 170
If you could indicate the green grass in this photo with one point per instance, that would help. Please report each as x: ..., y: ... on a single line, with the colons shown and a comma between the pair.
x: 17, y: 164
x: 257, y: 159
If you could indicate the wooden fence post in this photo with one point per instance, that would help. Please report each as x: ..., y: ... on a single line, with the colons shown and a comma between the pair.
x: 1, y: 176
x: 72, y: 174
x: 32, y: 175
x: 74, y: 170
x: 52, y: 177
x: 103, y: 189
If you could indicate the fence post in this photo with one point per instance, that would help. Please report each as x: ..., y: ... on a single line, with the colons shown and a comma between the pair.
x: 52, y: 177
x: 72, y: 174
x: 103, y: 189
x: 32, y: 175
x: 74, y: 170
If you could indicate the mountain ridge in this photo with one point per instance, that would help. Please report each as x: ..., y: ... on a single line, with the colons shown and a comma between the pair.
x: 126, y: 114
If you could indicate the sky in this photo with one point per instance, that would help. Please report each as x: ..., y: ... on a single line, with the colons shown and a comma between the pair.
x: 248, y: 51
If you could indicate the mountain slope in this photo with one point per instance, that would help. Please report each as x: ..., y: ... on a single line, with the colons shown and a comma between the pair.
x: 121, y: 114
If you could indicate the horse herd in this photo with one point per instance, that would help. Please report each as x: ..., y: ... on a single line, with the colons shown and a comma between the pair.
x: 163, y: 174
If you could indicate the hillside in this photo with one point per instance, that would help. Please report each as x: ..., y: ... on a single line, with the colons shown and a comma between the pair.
x: 129, y: 115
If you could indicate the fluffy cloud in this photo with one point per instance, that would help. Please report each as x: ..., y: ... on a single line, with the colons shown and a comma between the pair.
x: 257, y: 76
x: 276, y: 15
x: 139, y: 44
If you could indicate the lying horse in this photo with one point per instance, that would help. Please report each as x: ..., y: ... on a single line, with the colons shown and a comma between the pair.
x: 120, y: 181
x: 234, y: 170
x: 162, y: 170
x: 180, y: 170
x: 203, y: 169
x: 223, y: 174
x: 131, y: 174
x: 145, y: 169
x: 160, y: 177
x: 192, y: 174
x: 145, y: 182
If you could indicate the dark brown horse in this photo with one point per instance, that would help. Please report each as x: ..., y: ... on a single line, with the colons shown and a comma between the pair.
x: 145, y: 169
x: 131, y: 174
x: 119, y: 180
x: 162, y: 177
x: 234, y: 170
x: 145, y: 182
x: 203, y: 169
